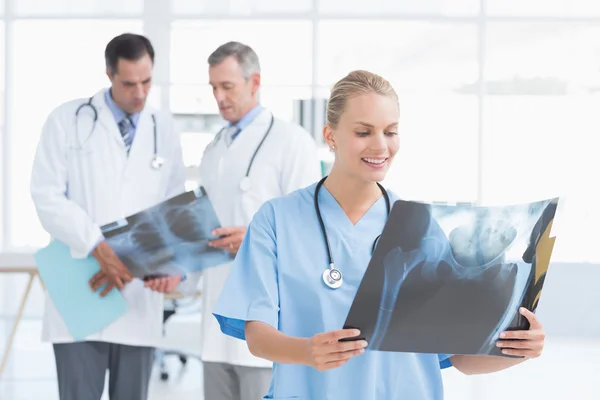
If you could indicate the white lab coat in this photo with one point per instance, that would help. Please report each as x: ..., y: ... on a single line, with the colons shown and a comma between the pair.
x: 102, y: 185
x: 287, y: 161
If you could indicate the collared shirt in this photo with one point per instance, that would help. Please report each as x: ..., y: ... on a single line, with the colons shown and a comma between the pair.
x: 246, y: 120
x: 119, y: 114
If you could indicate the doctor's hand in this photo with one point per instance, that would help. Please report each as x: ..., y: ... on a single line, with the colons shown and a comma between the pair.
x: 230, y: 238
x: 165, y: 284
x: 112, y: 270
x: 325, y: 351
x: 99, y: 280
x: 528, y: 344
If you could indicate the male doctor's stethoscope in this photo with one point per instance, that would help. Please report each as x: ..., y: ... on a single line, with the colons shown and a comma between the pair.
x: 333, y: 276
x: 157, y: 161
x: 245, y: 183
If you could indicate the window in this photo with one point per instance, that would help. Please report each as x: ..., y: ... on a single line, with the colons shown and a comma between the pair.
x: 434, y: 69
x: 239, y: 7
x: 540, y: 122
x: 78, y: 7
x: 534, y: 145
x: 198, y: 99
x: 542, y: 58
x: 154, y: 96
x: 416, y: 57
x: 542, y: 82
x: 192, y: 99
x: 283, y: 48
x: 554, y: 8
x: 193, y: 144
x: 437, y: 160
x: 3, y: 166
x: 378, y: 7
x: 73, y: 69
x: 283, y: 101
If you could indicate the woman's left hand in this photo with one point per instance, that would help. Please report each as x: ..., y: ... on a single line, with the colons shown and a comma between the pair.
x: 528, y: 344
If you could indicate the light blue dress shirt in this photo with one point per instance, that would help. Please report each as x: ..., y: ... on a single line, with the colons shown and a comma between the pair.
x: 246, y: 120
x: 119, y: 114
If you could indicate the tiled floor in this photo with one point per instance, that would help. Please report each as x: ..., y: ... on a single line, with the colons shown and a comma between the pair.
x: 568, y: 370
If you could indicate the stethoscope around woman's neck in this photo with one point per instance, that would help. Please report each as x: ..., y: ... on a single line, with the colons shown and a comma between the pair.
x: 333, y: 276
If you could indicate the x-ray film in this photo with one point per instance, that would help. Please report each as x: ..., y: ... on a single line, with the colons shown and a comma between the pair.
x: 448, y: 279
x: 170, y: 238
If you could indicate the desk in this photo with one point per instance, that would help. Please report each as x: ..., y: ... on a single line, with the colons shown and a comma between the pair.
x: 17, y: 263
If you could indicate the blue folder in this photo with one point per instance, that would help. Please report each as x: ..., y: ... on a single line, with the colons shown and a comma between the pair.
x: 66, y: 280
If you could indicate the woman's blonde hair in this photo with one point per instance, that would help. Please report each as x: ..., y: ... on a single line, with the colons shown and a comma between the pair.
x: 355, y: 83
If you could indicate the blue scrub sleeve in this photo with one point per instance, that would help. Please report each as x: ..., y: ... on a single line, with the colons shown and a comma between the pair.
x: 251, y: 291
x: 445, y: 361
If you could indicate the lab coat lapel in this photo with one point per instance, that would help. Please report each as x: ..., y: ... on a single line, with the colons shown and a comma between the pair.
x: 232, y: 161
x: 142, y: 148
x: 247, y: 140
x: 107, y: 119
x: 143, y: 143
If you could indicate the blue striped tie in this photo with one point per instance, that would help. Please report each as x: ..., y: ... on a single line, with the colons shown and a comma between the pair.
x: 230, y: 134
x: 125, y: 127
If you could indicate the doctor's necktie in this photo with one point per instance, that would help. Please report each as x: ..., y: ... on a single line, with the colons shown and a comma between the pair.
x: 125, y: 127
x: 230, y: 133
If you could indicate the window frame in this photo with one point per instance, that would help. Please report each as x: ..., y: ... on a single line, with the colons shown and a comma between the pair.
x: 157, y: 18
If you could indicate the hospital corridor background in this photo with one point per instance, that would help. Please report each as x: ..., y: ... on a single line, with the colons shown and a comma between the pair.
x: 499, y: 104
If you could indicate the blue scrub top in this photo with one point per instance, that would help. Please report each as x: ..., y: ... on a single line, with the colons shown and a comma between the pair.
x: 276, y: 279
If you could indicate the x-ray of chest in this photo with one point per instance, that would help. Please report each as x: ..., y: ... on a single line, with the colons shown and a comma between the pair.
x: 170, y: 238
x: 449, y: 278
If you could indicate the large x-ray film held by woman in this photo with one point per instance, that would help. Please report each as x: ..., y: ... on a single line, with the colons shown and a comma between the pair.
x: 302, y: 261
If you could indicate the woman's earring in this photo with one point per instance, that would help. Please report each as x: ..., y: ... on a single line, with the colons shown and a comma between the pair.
x: 332, y: 149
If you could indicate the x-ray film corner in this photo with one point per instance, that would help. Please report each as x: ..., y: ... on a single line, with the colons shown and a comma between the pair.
x: 559, y: 216
x: 543, y: 255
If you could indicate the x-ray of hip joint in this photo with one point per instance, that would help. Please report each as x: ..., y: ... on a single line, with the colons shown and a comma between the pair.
x: 448, y: 279
x: 170, y: 238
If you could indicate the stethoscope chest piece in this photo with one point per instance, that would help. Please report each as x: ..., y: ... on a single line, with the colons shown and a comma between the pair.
x: 245, y: 184
x: 157, y: 162
x: 332, y: 278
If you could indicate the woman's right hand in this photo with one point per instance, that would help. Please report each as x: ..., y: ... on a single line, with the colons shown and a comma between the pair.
x: 325, y: 351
